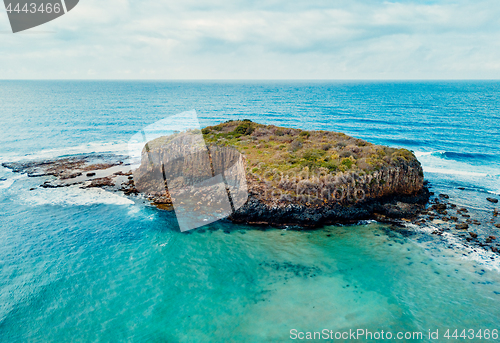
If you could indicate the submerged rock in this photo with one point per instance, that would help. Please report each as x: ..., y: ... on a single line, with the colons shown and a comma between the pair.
x: 493, y: 200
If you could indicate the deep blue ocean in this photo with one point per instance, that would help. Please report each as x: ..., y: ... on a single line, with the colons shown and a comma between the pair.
x: 89, y: 265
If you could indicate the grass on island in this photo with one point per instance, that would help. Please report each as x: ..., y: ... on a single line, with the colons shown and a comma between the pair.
x: 271, y: 149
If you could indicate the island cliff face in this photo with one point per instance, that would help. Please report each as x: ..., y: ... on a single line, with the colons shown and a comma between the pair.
x: 283, y: 176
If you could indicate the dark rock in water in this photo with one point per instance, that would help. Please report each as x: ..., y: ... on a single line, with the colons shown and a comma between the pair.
x: 492, y: 238
x: 494, y: 249
x: 495, y: 212
x: 122, y: 173
x: 461, y: 188
x: 493, y: 200
x: 90, y: 174
x: 445, y: 196
x: 70, y: 176
x: 473, y: 235
x: 101, y: 182
x: 32, y: 189
x: 49, y: 185
x: 439, y: 207
x: 462, y: 226
x: 497, y: 225
x: 401, y: 209
x: 454, y: 219
x: 3, y: 179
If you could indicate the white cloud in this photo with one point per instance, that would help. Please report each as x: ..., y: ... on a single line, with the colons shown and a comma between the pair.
x: 263, y: 40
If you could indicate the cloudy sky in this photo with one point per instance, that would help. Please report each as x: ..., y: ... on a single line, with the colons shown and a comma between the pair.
x: 259, y: 39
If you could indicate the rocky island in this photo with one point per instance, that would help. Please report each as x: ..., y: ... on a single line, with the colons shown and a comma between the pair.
x: 292, y: 177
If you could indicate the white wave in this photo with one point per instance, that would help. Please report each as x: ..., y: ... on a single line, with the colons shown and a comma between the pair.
x: 10, y: 178
x: 427, y: 153
x: 7, y: 183
x: 72, y: 196
x: 483, y: 257
x: 485, y: 176
x: 121, y: 148
x: 453, y: 172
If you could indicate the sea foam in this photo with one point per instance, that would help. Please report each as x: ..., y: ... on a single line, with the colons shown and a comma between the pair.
x: 72, y: 196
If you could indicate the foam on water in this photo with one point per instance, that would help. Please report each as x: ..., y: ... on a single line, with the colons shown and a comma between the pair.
x: 455, y: 246
x: 455, y: 172
x: 466, y: 172
x: 425, y: 153
x: 71, y: 196
x: 7, y: 182
x: 119, y: 148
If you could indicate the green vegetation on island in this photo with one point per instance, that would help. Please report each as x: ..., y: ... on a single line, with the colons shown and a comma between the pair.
x: 270, y: 148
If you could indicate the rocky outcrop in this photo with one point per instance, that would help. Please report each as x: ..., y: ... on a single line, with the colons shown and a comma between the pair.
x: 344, y: 183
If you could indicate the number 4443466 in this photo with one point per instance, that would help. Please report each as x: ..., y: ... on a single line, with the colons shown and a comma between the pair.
x: 34, y: 8
x: 472, y: 334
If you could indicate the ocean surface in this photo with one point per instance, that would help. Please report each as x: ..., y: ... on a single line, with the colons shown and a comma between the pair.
x: 89, y: 265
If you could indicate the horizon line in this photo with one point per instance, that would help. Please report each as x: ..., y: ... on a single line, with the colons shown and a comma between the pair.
x: 258, y: 80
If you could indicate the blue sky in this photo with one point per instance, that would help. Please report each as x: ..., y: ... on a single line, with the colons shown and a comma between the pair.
x: 273, y: 39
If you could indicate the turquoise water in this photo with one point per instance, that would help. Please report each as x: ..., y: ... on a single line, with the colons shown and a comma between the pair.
x: 88, y: 265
